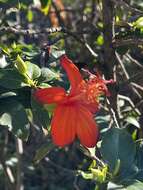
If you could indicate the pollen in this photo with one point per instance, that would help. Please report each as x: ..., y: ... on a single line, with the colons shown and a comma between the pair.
x: 92, y: 89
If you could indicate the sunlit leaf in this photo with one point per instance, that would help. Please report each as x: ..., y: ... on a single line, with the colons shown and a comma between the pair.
x: 45, y: 6
x: 33, y: 71
x: 48, y: 75
x: 3, y: 62
x: 113, y: 186
x: 30, y: 15
x: 133, y: 121
x: 138, y: 23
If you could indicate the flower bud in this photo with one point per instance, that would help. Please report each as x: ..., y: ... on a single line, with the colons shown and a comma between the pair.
x: 21, y: 65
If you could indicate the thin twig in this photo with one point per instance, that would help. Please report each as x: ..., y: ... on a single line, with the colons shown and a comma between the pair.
x: 126, y: 42
x: 134, y: 61
x: 112, y: 113
x: 127, y: 6
x: 10, y: 180
x: 134, y: 108
x: 73, y: 172
x: 122, y: 66
x: 8, y: 173
x: 75, y: 183
x: 137, y: 86
x: 82, y: 41
x: 19, y: 151
x: 90, y: 50
x: 139, y: 103
x: 127, y: 77
x: 133, y: 77
x: 29, y: 32
x: 98, y: 160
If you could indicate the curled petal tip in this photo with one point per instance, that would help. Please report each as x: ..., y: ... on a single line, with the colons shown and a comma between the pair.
x: 112, y: 81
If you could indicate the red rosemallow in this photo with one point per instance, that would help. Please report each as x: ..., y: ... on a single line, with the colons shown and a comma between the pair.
x: 73, y: 115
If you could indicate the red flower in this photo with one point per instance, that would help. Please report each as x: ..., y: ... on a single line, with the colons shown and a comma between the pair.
x: 73, y: 115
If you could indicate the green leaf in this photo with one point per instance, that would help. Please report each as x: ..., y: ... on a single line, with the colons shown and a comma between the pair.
x: 133, y: 121
x: 135, y: 185
x: 40, y: 114
x: 44, y: 3
x: 10, y: 78
x: 46, y: 6
x: 42, y: 152
x: 21, y: 65
x: 139, y: 156
x: 44, y: 85
x: 13, y: 116
x: 55, y: 54
x: 117, y: 145
x: 113, y: 186
x: 33, y: 71
x: 48, y: 75
x: 100, y: 40
x: 130, y: 185
x: 3, y: 62
x: 3, y: 1
x: 7, y: 94
x: 139, y: 161
x: 6, y: 119
x: 138, y: 23
x: 30, y: 15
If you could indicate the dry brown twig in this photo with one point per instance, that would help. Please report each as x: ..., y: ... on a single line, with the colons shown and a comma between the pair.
x: 127, y: 6
x: 19, y: 151
x: 127, y: 77
x: 9, y: 177
x: 126, y: 42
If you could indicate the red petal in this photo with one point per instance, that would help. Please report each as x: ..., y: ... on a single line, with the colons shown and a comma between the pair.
x: 92, y: 107
x: 50, y: 95
x: 87, y: 130
x: 63, y: 125
x: 73, y: 73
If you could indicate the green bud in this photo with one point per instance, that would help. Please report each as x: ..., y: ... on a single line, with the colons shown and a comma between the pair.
x: 100, y: 174
x: 93, y: 165
x: 86, y: 175
x: 14, y: 45
x: 21, y: 65
x: 97, y: 175
x: 117, y: 167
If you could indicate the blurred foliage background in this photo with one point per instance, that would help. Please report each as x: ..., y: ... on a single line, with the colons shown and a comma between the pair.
x: 104, y: 36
